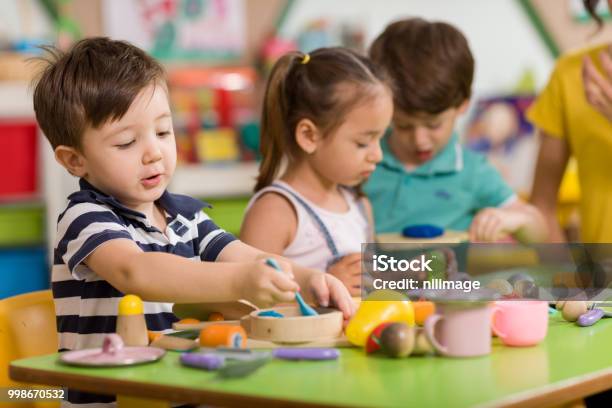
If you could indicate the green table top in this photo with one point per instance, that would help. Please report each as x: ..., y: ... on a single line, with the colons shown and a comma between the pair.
x: 572, y: 362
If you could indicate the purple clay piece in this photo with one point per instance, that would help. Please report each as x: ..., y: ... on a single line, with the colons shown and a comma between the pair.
x: 422, y: 231
x: 590, y: 318
x: 270, y: 313
x: 306, y: 353
x: 207, y: 361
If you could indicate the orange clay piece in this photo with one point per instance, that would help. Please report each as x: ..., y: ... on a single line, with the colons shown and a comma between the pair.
x: 215, y: 317
x: 223, y: 335
x: 422, y: 310
x: 153, y: 335
x: 188, y: 320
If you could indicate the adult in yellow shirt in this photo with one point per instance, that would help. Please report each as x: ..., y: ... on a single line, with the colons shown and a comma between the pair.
x: 574, y: 116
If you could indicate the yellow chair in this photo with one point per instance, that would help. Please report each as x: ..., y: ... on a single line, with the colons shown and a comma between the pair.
x: 27, y: 329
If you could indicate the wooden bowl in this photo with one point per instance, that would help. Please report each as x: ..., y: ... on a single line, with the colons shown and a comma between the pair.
x: 293, y: 327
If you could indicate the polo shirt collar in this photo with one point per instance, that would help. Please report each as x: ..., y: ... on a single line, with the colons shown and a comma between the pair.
x: 448, y: 160
x: 173, y: 204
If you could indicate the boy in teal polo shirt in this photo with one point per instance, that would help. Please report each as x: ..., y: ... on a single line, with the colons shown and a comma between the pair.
x: 426, y: 176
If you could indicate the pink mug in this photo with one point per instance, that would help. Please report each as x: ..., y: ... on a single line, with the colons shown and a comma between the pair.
x: 520, y: 322
x: 460, y: 329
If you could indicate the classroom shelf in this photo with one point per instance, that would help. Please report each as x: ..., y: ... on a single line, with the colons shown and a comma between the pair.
x: 22, y: 224
x: 215, y: 181
x: 16, y: 100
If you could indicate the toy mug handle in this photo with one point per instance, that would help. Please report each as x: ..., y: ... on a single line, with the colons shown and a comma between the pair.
x: 499, y: 333
x: 112, y: 343
x: 430, y: 326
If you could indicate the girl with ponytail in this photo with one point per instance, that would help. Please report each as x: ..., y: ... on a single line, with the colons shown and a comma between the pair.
x: 323, y: 116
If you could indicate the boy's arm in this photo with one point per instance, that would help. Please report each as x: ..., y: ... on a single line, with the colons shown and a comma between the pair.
x: 552, y: 160
x: 319, y: 287
x: 163, y: 277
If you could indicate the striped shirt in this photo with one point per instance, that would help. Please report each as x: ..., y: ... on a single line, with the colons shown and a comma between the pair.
x: 86, y: 304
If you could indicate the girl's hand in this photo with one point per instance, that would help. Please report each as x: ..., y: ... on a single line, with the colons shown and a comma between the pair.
x: 348, y: 271
x: 493, y: 224
x: 598, y: 87
x: 264, y: 286
x: 328, y: 289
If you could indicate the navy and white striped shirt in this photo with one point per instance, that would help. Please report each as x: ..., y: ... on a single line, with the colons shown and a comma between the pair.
x: 85, y: 304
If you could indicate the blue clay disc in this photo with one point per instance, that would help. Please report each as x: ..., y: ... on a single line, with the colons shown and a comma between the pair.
x: 270, y: 313
x: 422, y: 231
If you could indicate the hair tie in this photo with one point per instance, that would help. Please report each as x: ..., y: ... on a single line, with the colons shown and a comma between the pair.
x: 306, y: 59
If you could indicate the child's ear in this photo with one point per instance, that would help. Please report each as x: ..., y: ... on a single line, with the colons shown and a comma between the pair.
x: 464, y: 106
x: 307, y: 136
x: 71, y: 159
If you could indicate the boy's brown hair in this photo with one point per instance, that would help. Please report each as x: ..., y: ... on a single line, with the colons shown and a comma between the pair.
x: 430, y: 62
x: 96, y: 81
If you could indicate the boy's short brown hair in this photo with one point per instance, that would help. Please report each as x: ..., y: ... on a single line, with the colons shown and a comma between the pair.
x: 94, y: 82
x: 430, y: 62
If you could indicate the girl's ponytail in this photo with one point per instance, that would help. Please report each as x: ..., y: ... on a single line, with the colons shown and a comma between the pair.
x: 273, y: 136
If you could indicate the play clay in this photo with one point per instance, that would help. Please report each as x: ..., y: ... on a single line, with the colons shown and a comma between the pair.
x: 270, y: 313
x: 590, y: 318
x: 207, y: 361
x: 422, y: 231
x: 397, y: 340
x: 306, y: 353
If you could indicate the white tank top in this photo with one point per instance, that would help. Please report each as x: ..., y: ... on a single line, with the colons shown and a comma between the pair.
x: 317, y: 247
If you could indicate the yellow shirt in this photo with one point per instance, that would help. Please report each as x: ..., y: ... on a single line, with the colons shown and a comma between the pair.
x: 561, y: 110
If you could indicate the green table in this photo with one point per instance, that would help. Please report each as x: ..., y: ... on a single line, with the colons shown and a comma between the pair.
x: 571, y: 363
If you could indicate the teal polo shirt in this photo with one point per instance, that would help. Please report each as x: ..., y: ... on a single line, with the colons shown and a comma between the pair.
x: 447, y: 191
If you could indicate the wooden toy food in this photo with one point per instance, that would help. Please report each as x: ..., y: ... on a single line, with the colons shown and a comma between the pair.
x: 572, y: 309
x: 223, y: 335
x: 397, y: 340
x: 373, y: 342
x: 421, y: 343
x: 131, y: 325
x: 381, y: 306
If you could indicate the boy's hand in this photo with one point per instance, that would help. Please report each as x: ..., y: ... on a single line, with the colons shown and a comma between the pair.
x: 493, y: 224
x: 328, y: 289
x: 348, y: 271
x: 265, y: 286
